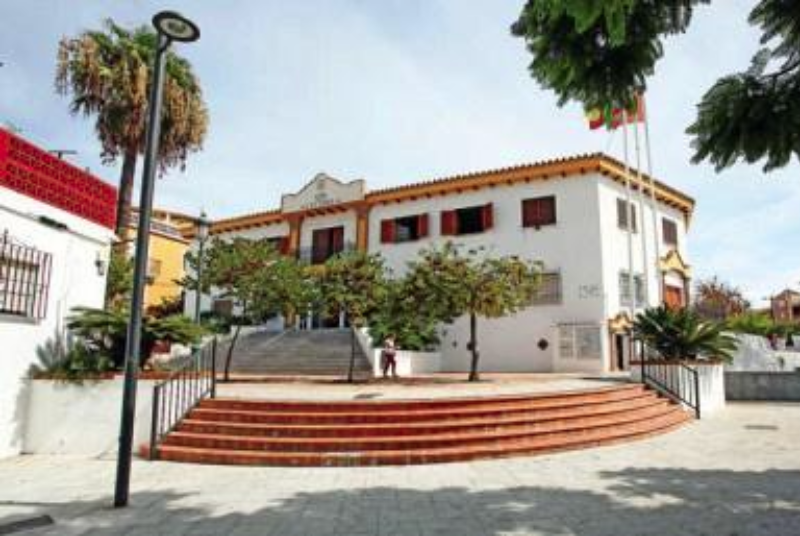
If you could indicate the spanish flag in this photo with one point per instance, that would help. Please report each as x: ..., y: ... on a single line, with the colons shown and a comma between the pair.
x: 611, y: 117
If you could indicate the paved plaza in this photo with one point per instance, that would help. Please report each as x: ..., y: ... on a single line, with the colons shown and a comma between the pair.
x: 734, y: 474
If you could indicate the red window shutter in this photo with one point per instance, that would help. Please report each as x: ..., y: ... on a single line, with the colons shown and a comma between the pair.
x: 387, y: 231
x: 449, y: 222
x: 422, y: 225
x: 283, y: 246
x: 548, y: 210
x: 487, y: 216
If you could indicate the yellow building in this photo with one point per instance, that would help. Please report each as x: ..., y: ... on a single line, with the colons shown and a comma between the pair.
x: 168, y: 248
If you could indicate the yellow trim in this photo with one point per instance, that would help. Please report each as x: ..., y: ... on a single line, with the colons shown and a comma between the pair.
x: 620, y: 323
x: 673, y: 262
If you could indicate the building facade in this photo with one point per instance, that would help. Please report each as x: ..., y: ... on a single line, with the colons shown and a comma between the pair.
x: 56, y: 224
x: 611, y: 243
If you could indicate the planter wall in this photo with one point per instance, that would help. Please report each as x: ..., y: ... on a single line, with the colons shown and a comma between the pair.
x: 778, y: 386
x: 711, y: 377
x: 65, y: 418
x: 408, y: 363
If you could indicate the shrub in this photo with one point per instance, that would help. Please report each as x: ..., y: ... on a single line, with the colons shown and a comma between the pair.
x: 72, y: 363
x: 682, y: 334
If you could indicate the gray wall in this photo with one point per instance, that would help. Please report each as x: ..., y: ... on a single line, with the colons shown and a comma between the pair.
x: 762, y: 386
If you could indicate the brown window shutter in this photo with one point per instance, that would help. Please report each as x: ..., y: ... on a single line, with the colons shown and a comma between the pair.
x: 422, y: 225
x: 528, y: 212
x: 487, y: 216
x: 448, y: 222
x: 387, y: 231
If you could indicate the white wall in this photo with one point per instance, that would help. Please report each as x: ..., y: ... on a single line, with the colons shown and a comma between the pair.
x: 75, y: 281
x: 572, y: 246
x: 83, y: 419
x: 615, y: 242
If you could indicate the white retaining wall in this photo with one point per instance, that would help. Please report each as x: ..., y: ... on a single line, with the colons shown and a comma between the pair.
x: 65, y: 418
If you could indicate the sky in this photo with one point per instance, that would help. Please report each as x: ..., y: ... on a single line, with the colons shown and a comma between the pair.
x: 399, y: 91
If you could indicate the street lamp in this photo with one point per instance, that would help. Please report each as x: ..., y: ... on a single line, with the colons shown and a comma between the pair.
x: 202, y: 235
x: 170, y: 27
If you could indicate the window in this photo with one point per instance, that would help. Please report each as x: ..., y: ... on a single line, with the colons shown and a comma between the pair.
x: 669, y: 231
x: 622, y: 215
x: 222, y: 307
x: 24, y: 279
x: 469, y: 220
x: 539, y: 211
x: 625, y: 288
x: 153, y: 268
x: 405, y: 229
x: 579, y: 341
x: 549, y: 291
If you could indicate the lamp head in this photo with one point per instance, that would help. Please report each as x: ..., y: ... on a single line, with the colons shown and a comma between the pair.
x: 203, y: 226
x: 176, y: 27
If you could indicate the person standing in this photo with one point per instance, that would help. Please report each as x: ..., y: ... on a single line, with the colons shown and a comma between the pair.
x: 389, y: 354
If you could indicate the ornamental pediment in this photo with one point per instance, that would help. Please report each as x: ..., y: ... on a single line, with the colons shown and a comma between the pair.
x: 322, y: 191
x: 673, y: 262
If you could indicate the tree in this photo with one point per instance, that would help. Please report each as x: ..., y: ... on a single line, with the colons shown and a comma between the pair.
x: 717, y: 300
x: 601, y: 53
x: 107, y: 74
x: 676, y: 334
x: 472, y: 284
x: 236, y: 269
x: 353, y: 283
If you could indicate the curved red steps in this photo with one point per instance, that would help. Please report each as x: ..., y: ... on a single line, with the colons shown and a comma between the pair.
x: 400, y: 432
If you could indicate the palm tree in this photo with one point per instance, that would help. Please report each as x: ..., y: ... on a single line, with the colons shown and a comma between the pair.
x: 682, y: 334
x: 107, y: 73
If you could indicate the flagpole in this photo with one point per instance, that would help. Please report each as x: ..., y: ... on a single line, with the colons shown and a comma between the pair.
x: 640, y: 199
x: 653, y: 201
x: 629, y: 210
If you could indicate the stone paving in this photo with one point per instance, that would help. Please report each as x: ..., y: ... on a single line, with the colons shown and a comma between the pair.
x: 736, y: 474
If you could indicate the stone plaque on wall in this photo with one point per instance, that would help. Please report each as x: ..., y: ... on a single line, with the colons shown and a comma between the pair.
x: 322, y: 191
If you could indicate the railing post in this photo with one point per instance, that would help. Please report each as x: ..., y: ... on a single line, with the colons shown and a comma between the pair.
x: 697, y: 392
x: 214, y: 367
x: 154, y: 422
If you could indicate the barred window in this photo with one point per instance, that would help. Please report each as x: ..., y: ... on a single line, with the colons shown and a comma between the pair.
x: 580, y: 341
x: 24, y: 279
x: 549, y: 290
x: 625, y: 288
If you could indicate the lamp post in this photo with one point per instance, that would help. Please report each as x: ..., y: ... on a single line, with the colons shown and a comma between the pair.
x: 202, y: 235
x: 170, y: 27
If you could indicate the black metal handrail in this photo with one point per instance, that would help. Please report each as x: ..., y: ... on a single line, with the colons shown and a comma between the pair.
x: 175, y: 396
x: 674, y: 379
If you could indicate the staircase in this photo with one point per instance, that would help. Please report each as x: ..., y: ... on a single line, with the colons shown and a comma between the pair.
x: 298, y: 353
x: 288, y: 433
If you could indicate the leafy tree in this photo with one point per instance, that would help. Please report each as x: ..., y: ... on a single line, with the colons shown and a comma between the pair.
x: 236, y: 269
x: 107, y: 73
x: 717, y: 300
x: 601, y: 53
x: 353, y: 283
x: 676, y: 334
x: 472, y: 284
x: 406, y: 315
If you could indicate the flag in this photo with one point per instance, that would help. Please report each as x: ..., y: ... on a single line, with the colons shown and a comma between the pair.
x: 612, y: 117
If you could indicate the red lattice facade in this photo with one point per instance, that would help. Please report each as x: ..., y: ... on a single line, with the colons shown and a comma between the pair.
x: 31, y: 171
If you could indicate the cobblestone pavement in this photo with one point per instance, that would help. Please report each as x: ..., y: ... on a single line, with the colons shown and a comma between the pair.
x: 735, y: 474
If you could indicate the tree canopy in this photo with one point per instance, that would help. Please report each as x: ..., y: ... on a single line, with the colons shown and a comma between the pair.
x: 107, y: 74
x: 601, y: 53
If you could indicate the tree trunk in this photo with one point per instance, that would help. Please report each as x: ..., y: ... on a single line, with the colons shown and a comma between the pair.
x: 228, y: 358
x: 473, y: 347
x: 125, y: 196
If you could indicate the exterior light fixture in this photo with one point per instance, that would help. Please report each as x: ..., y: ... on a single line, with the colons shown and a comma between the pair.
x: 170, y: 27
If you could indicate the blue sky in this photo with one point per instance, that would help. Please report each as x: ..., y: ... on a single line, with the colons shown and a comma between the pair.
x: 399, y: 91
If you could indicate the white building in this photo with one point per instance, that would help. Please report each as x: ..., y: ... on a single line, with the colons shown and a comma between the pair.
x: 55, y: 231
x: 570, y: 214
